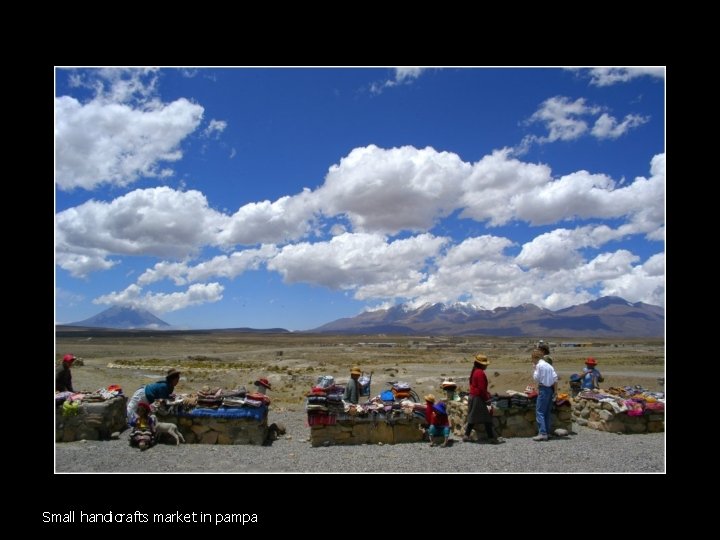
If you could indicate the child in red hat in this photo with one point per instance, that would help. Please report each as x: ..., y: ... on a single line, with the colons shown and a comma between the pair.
x: 591, y: 376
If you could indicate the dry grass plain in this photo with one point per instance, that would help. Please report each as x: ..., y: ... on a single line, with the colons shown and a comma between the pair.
x: 292, y: 362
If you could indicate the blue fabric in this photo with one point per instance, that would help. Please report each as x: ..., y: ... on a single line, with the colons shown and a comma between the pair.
x: 542, y: 411
x: 434, y: 431
x: 256, y: 413
x: 590, y: 378
x: 158, y: 390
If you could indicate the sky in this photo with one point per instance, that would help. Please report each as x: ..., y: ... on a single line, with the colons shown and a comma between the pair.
x: 291, y: 197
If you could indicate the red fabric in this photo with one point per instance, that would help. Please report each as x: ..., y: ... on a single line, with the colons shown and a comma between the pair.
x: 428, y: 412
x: 440, y: 420
x: 479, y: 384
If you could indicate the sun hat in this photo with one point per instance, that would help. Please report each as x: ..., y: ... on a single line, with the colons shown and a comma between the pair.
x: 590, y: 362
x: 355, y: 371
x: 69, y: 358
x: 448, y: 383
x: 172, y: 372
x: 482, y: 359
x: 263, y: 382
x: 440, y: 407
x: 430, y: 398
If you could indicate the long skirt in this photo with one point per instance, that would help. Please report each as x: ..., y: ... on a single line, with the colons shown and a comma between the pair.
x: 477, y: 411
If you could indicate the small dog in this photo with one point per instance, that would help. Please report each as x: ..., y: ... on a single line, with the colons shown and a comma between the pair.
x: 171, y: 429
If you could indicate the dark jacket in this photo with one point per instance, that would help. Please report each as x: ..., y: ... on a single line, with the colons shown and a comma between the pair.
x: 63, y: 380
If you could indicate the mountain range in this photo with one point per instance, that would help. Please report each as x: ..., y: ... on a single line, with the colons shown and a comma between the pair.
x: 609, y: 316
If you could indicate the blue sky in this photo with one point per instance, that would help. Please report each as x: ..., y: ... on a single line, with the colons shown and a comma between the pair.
x: 235, y: 197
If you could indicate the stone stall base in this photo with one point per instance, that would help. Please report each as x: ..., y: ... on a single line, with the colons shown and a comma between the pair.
x: 511, y: 422
x: 215, y: 430
x: 359, y: 430
x: 93, y: 422
x: 603, y: 417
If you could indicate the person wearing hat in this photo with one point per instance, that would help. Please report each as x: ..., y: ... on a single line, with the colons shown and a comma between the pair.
x: 591, y: 376
x: 263, y: 385
x: 546, y: 379
x: 429, y: 403
x: 144, y: 427
x: 477, y: 408
x: 162, y: 389
x: 439, y: 424
x: 449, y: 386
x: 546, y: 351
x: 352, y: 390
x: 63, y: 377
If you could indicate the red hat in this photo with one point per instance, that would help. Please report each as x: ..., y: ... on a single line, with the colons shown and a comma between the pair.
x: 264, y: 382
x: 144, y: 405
x: 590, y: 362
x: 69, y: 358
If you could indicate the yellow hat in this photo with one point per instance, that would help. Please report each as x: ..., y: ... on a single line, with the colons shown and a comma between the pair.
x: 430, y: 398
x: 482, y: 359
x: 355, y: 371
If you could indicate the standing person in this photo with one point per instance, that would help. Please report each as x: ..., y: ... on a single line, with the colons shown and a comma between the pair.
x: 439, y: 423
x: 546, y: 378
x: 477, y: 409
x: 352, y: 390
x: 157, y: 390
x: 546, y: 352
x: 63, y: 377
x: 591, y: 376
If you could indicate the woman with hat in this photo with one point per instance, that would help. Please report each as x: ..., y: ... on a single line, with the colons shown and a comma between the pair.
x: 477, y: 409
x: 440, y: 423
x: 263, y: 385
x: 63, y: 378
x: 158, y: 390
x: 352, y: 390
x: 591, y: 376
x: 449, y: 386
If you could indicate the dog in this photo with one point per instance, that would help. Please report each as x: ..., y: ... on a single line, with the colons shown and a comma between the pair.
x: 171, y: 429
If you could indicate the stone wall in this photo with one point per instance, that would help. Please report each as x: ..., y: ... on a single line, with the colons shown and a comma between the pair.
x: 603, y: 417
x: 94, y: 421
x: 511, y: 422
x: 360, y: 430
x: 204, y: 430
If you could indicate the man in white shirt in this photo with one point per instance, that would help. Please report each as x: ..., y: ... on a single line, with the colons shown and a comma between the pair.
x: 546, y: 379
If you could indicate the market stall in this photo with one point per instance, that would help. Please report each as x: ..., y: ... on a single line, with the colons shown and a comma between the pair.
x: 89, y: 415
x: 335, y: 422
x: 629, y: 409
x: 218, y: 416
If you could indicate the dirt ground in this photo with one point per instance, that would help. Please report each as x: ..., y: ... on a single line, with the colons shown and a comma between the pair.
x: 293, y: 362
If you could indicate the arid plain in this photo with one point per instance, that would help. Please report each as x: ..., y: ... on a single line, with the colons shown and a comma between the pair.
x: 293, y: 361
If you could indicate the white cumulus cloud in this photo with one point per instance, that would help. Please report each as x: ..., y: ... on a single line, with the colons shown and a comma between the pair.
x: 607, y: 127
x: 392, y: 190
x: 402, y: 75
x: 352, y: 260
x: 158, y: 221
x: 224, y: 266
x: 114, y: 143
x: 132, y: 296
x: 610, y: 76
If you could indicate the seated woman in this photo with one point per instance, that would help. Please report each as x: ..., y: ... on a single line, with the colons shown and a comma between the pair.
x: 591, y: 376
x: 144, y: 427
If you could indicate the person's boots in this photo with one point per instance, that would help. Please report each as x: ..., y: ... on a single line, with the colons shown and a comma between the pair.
x: 445, y: 442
